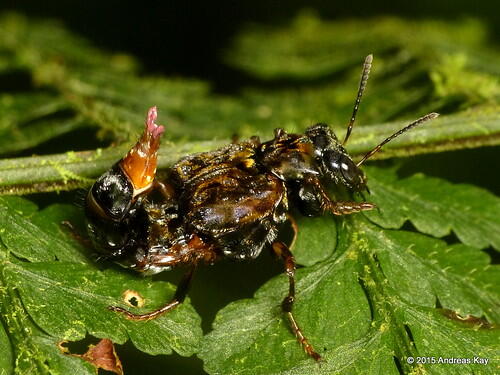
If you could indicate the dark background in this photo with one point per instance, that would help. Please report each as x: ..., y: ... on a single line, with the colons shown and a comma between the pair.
x: 185, y: 38
x: 191, y: 34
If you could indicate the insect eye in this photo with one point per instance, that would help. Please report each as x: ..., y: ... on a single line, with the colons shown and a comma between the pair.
x: 332, y: 160
x: 351, y: 173
x: 343, y: 167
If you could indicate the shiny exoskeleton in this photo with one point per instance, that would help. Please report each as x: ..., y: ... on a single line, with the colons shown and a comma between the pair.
x: 229, y: 203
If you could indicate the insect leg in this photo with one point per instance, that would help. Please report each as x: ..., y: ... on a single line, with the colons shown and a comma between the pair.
x: 338, y: 207
x: 180, y: 295
x: 283, y: 252
x: 295, y: 229
x: 346, y: 207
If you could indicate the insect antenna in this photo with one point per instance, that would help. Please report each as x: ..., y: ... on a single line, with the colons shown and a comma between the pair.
x: 367, y: 65
x: 421, y: 120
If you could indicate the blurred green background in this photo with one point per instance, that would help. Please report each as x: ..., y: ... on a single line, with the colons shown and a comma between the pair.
x: 187, y: 38
x: 220, y: 44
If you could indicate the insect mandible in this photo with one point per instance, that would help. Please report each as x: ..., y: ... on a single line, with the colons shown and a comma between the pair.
x: 227, y: 203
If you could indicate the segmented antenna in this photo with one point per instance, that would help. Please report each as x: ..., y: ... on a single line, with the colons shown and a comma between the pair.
x: 362, y: 85
x: 421, y: 120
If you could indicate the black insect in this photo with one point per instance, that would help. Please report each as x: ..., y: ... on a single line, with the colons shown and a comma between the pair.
x: 228, y: 203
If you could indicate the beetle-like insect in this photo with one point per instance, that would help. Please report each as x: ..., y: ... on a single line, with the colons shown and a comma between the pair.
x: 225, y: 203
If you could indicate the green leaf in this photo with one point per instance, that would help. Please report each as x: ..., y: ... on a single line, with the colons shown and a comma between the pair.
x: 368, y: 355
x: 37, y: 236
x: 309, y: 47
x: 68, y: 300
x: 421, y: 269
x: 7, y: 357
x: 316, y: 239
x: 25, y: 348
x: 356, y: 303
x: 435, y: 207
x: 86, y: 87
x: 248, y: 333
x: 30, y: 119
x: 55, y: 362
x: 73, y: 169
x: 61, y: 293
x: 369, y: 296
x: 446, y: 339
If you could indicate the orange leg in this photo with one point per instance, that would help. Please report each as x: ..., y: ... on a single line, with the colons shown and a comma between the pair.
x: 345, y: 207
x: 295, y: 229
x: 283, y: 252
x: 180, y: 295
x: 338, y: 207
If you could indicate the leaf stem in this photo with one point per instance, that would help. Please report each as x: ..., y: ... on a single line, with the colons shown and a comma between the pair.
x: 72, y: 170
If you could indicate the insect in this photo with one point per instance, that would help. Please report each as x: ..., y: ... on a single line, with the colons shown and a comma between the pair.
x: 227, y: 203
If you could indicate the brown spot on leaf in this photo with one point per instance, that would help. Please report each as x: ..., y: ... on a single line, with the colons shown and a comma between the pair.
x: 102, y: 355
x: 133, y: 298
x: 479, y: 322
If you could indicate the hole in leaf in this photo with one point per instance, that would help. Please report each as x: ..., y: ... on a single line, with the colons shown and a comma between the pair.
x: 77, y: 347
x: 133, y: 298
x: 102, y: 355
